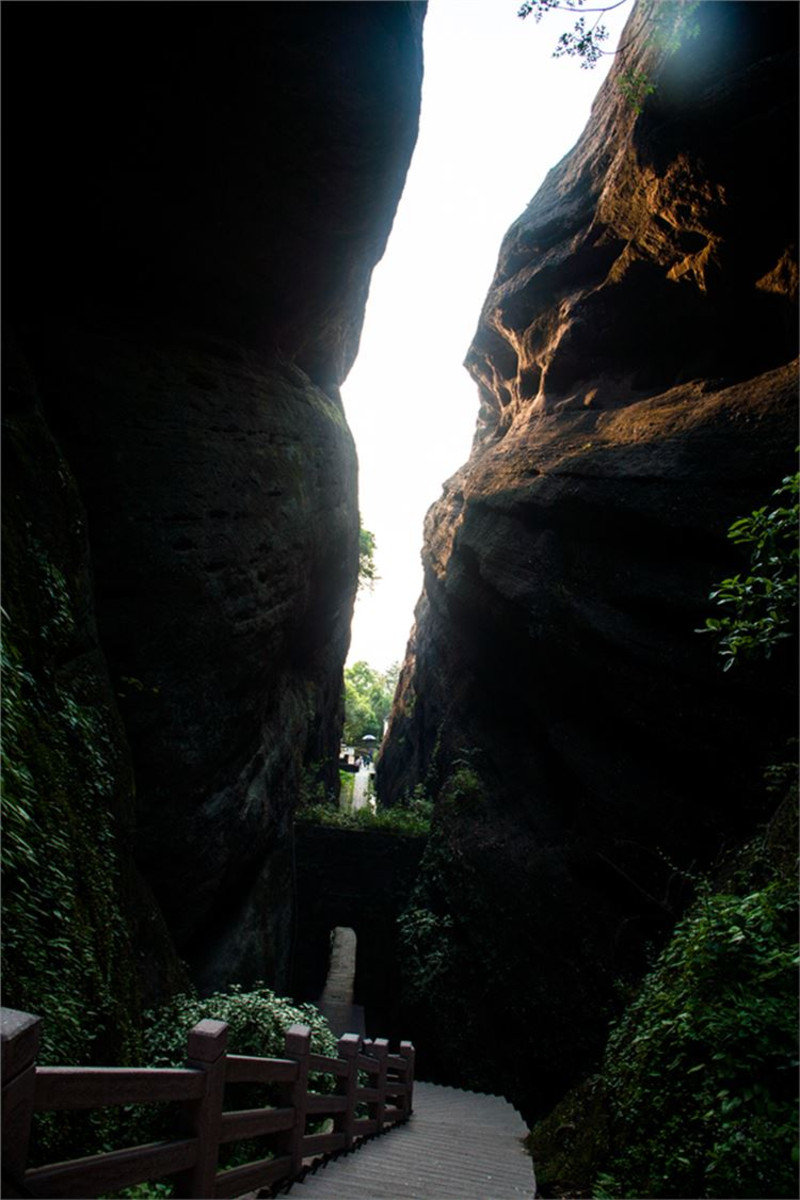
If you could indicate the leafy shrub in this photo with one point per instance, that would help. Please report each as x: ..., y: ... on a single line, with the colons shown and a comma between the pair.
x: 257, y: 1023
x: 761, y: 607
x: 700, y: 1071
x: 414, y: 821
x: 464, y: 792
x: 428, y: 953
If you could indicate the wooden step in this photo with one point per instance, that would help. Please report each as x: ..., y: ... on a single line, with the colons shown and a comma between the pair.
x: 457, y: 1146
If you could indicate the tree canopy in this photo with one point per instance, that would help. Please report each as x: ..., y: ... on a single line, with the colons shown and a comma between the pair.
x: 367, y: 574
x: 581, y: 41
x: 368, y: 696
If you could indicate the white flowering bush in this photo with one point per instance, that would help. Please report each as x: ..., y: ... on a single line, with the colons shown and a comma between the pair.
x: 257, y: 1019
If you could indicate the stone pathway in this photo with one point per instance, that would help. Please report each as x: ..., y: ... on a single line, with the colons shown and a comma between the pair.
x: 336, y: 1001
x: 360, y: 786
x: 342, y: 967
x: 456, y: 1146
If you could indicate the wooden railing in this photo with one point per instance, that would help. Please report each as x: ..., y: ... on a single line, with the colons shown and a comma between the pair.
x: 191, y: 1158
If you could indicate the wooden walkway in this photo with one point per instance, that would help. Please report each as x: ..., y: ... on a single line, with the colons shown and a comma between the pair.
x: 456, y: 1146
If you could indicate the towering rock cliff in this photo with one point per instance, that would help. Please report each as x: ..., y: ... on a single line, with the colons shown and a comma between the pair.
x: 197, y: 196
x: 636, y: 368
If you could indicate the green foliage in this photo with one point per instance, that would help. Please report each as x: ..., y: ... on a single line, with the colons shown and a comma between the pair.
x: 347, y: 782
x: 143, y: 1191
x: 367, y: 572
x: 66, y: 950
x: 672, y: 23
x: 581, y: 41
x: 257, y: 1023
x: 463, y: 792
x: 761, y: 606
x: 368, y: 696
x: 700, y: 1070
x: 451, y: 971
x: 635, y: 86
x: 426, y: 938
x: 411, y: 821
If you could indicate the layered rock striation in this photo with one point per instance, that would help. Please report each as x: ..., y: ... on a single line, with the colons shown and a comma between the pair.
x: 636, y: 369
x: 200, y: 195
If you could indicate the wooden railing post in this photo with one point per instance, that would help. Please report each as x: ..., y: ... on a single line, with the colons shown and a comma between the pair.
x: 20, y: 1034
x: 206, y: 1047
x: 344, y: 1122
x: 408, y: 1053
x: 298, y: 1047
x: 380, y: 1050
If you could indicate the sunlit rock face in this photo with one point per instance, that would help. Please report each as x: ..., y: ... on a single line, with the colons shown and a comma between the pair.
x: 201, y: 192
x: 636, y: 368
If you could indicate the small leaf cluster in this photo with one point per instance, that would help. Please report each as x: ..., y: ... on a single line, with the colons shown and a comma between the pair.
x: 367, y: 571
x: 760, y: 607
x: 671, y: 22
x: 368, y: 695
x: 635, y: 86
x: 581, y: 41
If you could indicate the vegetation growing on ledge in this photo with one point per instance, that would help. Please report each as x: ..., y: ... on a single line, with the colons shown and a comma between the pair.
x: 697, y: 1093
x: 413, y: 821
x: 760, y: 607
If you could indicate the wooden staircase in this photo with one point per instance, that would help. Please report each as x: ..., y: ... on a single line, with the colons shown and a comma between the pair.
x: 456, y: 1146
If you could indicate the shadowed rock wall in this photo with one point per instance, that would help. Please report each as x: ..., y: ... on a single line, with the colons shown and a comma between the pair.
x: 636, y: 369
x: 200, y: 194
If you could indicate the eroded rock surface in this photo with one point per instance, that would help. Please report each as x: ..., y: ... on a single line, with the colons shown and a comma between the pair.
x: 636, y: 367
x: 200, y: 194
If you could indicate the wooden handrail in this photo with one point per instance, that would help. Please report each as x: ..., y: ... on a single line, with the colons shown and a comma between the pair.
x: 198, y: 1089
x: 92, y: 1087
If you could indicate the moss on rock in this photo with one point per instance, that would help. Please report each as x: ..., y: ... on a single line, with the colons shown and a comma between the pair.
x: 70, y: 952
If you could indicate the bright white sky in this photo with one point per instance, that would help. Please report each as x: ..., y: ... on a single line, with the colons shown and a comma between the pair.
x: 498, y: 111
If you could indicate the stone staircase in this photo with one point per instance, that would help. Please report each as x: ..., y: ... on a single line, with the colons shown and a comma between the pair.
x: 456, y: 1146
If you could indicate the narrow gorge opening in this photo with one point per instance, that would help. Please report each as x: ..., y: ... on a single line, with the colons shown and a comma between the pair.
x: 409, y: 401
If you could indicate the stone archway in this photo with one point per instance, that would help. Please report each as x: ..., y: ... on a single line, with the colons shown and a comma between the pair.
x: 360, y: 881
x: 337, y: 1001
